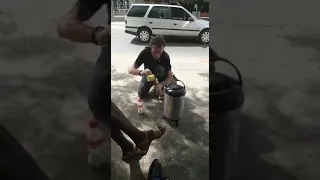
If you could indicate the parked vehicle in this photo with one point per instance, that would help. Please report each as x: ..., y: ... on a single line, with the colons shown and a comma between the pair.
x: 147, y: 20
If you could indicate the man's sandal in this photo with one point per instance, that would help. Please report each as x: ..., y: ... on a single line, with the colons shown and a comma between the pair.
x: 156, y: 134
x: 130, y: 155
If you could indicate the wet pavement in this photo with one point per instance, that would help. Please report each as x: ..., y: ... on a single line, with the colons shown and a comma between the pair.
x: 183, y: 150
x: 276, y: 45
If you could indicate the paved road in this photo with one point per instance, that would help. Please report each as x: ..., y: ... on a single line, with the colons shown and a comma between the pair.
x: 276, y: 44
x: 183, y: 150
x: 183, y: 52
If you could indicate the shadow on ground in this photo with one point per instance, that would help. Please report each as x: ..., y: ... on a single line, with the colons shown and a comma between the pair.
x: 272, y: 144
x: 311, y: 87
x: 306, y: 41
x: 20, y: 47
x: 252, y: 146
x: 47, y: 115
x: 17, y: 46
x: 183, y: 150
x: 172, y: 42
x: 7, y: 25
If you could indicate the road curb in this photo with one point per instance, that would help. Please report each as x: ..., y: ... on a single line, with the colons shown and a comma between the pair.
x: 118, y: 18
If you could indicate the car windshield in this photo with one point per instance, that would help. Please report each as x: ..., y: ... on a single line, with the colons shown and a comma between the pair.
x: 193, y: 16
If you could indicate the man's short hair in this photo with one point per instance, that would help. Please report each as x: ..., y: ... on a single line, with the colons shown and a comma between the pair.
x: 158, y: 41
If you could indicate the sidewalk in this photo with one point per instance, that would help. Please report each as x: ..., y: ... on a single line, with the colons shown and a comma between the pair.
x: 183, y: 150
x: 117, y: 18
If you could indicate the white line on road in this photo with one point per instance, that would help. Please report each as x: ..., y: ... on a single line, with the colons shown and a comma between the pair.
x: 118, y: 23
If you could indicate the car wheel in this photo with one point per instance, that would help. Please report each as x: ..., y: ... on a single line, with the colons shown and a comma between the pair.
x: 144, y: 34
x: 204, y: 36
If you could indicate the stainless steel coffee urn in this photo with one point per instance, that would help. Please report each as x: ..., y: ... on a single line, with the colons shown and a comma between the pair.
x: 174, y: 101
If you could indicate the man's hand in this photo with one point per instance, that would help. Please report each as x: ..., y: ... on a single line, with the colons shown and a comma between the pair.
x: 71, y: 26
x: 146, y: 72
x: 103, y: 36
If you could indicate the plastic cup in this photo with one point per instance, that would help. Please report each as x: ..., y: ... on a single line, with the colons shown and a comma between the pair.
x: 151, y: 78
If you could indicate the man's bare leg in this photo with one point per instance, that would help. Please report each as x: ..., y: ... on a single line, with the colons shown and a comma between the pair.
x: 125, y: 145
x: 142, y: 139
x: 118, y: 119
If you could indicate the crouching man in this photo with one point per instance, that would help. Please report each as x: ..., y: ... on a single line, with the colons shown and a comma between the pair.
x: 156, y: 62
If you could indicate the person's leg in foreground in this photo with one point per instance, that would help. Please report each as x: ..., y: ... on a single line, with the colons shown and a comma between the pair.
x: 142, y: 139
x: 99, y: 102
x: 156, y: 171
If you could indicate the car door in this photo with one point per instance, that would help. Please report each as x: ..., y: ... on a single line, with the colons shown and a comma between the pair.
x: 159, y: 20
x: 183, y: 23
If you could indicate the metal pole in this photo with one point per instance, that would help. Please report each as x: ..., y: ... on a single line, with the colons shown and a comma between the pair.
x: 112, y: 9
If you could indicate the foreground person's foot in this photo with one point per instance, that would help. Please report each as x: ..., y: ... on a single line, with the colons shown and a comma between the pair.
x: 155, y: 170
x: 151, y: 135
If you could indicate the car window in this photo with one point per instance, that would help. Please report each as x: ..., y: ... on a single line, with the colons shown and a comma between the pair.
x: 179, y: 14
x: 138, y: 11
x: 160, y: 12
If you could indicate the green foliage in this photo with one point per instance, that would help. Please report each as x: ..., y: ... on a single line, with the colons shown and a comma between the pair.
x: 203, y: 5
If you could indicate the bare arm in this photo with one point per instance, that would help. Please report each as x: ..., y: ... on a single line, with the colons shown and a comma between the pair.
x: 168, y: 78
x: 134, y: 68
x: 71, y: 25
x: 169, y: 71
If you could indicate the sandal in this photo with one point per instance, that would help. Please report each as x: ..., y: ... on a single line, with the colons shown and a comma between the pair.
x: 135, y: 151
x: 156, y: 134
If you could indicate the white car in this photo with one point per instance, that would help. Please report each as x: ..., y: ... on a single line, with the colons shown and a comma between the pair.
x: 147, y: 20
